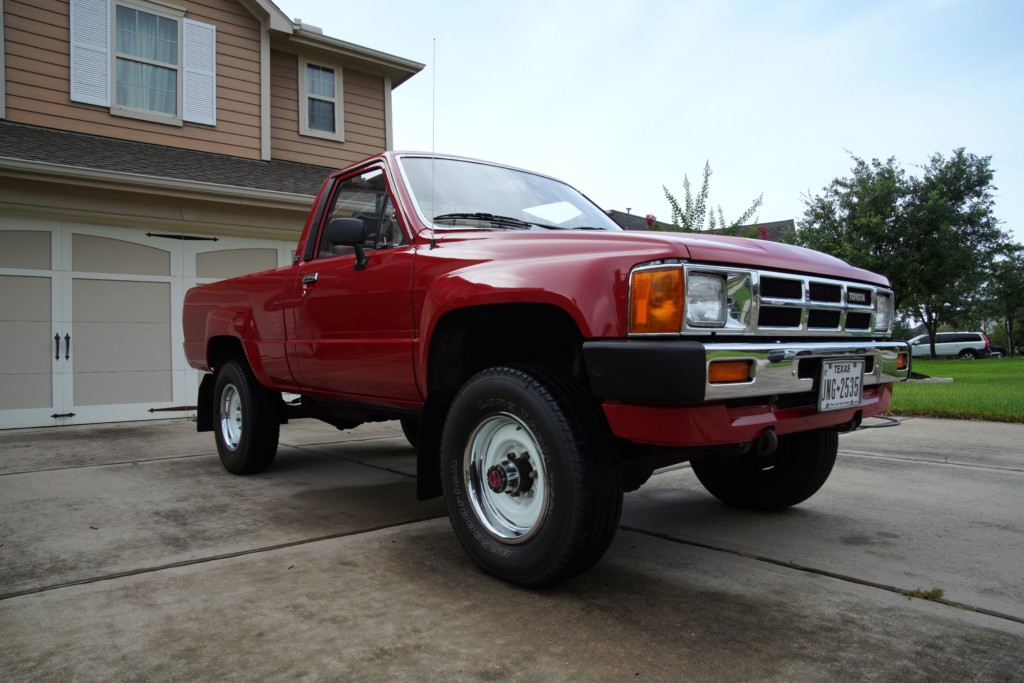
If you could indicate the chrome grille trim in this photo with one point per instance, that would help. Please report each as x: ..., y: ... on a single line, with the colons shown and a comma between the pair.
x: 787, y: 301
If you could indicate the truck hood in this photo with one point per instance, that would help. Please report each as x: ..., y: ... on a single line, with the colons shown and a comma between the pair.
x: 651, y: 246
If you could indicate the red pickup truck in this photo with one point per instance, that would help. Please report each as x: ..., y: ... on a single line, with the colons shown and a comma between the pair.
x: 542, y: 360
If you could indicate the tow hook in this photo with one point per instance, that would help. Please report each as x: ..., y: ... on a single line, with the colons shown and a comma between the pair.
x: 850, y: 426
x: 513, y: 476
x: 767, y: 443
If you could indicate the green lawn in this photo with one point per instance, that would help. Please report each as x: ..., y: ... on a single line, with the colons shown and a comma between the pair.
x: 984, y: 389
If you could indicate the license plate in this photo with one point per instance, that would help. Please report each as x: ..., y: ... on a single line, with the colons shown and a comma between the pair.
x: 840, y: 386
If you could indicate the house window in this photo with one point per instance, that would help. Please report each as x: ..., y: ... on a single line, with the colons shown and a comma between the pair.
x: 320, y: 104
x: 143, y: 59
x: 146, y: 61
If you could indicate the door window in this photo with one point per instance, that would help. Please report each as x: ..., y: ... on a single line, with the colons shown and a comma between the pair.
x: 366, y: 198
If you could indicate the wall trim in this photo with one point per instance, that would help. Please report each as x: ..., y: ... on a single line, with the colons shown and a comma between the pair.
x: 389, y: 132
x: 168, y: 187
x: 3, y: 66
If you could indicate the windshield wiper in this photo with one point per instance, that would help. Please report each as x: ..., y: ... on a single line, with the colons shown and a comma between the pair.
x: 481, y: 216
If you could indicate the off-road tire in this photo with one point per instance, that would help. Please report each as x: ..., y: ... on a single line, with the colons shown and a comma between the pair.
x: 567, y: 518
x: 411, y: 429
x: 795, y: 472
x: 246, y: 420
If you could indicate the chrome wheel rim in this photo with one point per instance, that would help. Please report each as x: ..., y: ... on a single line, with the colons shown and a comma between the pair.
x: 230, y: 417
x: 506, y: 478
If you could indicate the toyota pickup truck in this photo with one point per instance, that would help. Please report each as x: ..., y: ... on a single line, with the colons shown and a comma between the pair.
x: 541, y: 360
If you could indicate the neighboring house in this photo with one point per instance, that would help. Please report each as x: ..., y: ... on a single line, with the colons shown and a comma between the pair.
x: 147, y: 146
x: 775, y: 231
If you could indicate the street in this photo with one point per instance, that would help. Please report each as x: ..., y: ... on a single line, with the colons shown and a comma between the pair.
x: 126, y: 552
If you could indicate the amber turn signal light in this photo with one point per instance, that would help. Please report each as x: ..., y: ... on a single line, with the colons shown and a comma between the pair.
x: 656, y: 301
x: 729, y: 371
x: 901, y: 361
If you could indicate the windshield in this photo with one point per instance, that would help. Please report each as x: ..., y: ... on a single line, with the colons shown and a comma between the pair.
x: 455, y: 194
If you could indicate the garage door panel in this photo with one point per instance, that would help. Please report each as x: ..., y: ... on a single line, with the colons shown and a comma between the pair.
x: 28, y: 348
x: 234, y: 262
x: 113, y: 388
x: 112, y: 301
x: 25, y: 249
x: 109, y: 347
x: 25, y: 298
x: 94, y: 254
x: 23, y: 391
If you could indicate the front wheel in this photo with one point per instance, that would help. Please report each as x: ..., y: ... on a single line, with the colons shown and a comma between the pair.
x: 531, y: 488
x: 246, y: 426
x: 798, y: 468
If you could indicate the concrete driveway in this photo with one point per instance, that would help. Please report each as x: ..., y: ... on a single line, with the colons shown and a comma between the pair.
x: 127, y: 553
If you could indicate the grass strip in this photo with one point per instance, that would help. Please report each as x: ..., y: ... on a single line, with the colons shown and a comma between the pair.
x: 985, y: 389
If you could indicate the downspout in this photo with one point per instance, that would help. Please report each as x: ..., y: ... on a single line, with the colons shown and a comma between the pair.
x: 265, y: 151
x: 3, y: 66
x: 389, y: 134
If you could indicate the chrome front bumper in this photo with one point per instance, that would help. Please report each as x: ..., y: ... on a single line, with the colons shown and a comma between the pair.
x: 794, y: 368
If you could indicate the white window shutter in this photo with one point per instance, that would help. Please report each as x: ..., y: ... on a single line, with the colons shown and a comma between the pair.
x: 90, y: 46
x: 199, y: 68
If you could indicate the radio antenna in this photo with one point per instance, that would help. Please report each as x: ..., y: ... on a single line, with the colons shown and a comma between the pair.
x: 433, y: 147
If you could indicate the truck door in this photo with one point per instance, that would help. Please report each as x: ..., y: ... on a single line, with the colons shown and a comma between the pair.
x: 352, y: 330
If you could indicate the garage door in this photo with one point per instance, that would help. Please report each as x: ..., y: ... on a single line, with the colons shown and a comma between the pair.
x: 91, y: 318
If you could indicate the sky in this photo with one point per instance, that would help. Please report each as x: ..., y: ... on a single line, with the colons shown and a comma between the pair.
x: 620, y: 98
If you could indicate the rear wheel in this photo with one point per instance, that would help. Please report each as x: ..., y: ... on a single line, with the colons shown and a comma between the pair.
x: 531, y: 487
x: 799, y: 467
x: 246, y: 424
x: 411, y: 429
x: 968, y: 354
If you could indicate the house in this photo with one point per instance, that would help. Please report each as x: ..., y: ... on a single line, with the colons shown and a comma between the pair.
x: 776, y: 231
x: 147, y: 146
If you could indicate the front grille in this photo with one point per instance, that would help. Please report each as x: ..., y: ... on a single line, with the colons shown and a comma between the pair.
x: 858, y: 321
x: 828, y: 293
x: 827, y: 320
x: 779, y: 288
x: 773, y: 316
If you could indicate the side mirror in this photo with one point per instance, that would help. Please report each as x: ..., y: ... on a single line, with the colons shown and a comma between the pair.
x: 349, y: 232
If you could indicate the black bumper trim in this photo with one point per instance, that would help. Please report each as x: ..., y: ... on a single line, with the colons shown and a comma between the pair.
x: 647, y: 371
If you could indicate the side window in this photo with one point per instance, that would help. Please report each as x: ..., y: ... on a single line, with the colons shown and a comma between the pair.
x: 365, y: 197
x: 321, y: 110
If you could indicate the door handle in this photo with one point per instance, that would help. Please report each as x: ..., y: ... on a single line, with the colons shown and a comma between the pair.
x: 67, y: 347
x: 56, y: 350
x: 309, y: 279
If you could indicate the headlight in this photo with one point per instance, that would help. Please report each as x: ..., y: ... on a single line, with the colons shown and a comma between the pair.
x: 705, y: 300
x: 883, y: 312
x: 656, y: 301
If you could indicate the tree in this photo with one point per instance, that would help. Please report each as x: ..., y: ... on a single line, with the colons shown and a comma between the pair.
x: 954, y: 236
x: 690, y: 216
x: 933, y: 236
x: 861, y: 219
x: 1006, y: 289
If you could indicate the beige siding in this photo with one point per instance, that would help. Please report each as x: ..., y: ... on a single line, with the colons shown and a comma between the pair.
x: 38, y: 79
x: 363, y: 108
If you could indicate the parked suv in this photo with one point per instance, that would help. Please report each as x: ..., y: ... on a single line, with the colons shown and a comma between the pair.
x: 969, y: 345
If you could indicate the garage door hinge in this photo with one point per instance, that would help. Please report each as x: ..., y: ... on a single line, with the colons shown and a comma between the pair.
x: 182, y: 237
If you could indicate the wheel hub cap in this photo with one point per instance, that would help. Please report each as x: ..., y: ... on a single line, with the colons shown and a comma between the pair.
x: 506, y: 478
x: 513, y: 476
